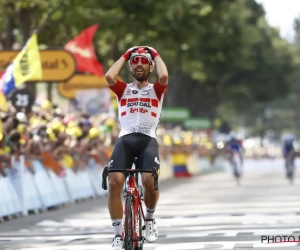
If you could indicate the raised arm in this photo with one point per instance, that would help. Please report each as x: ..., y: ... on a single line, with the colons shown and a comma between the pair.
x: 161, y: 85
x: 161, y: 67
x: 162, y: 71
x: 113, y: 72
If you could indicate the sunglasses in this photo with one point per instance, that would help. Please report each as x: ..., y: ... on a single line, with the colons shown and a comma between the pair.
x: 143, y: 60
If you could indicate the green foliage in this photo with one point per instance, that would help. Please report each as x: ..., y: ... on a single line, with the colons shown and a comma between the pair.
x: 218, y: 53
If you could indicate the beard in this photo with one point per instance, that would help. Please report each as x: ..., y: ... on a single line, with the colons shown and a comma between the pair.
x: 140, y: 76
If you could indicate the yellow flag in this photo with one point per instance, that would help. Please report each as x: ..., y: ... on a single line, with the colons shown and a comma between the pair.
x: 3, y: 103
x: 27, y: 64
x: 1, y: 131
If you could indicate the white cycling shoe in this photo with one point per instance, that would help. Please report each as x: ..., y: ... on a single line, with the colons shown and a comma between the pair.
x: 151, y: 231
x: 118, y: 243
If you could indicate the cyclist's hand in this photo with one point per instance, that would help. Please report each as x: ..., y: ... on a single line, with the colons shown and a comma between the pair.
x: 153, y: 52
x: 127, y: 54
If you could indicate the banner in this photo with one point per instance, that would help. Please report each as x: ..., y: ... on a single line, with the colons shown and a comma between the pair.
x: 83, y: 50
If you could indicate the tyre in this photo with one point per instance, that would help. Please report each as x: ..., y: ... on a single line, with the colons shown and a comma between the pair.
x: 129, y: 224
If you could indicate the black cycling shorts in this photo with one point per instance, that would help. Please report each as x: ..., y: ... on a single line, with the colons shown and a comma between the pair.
x: 127, y: 147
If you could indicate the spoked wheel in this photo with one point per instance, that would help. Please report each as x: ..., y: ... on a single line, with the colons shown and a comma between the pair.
x: 129, y: 225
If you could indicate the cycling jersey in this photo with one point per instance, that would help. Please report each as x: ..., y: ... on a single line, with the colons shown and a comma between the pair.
x: 139, y: 109
x: 288, y: 148
x: 234, y: 146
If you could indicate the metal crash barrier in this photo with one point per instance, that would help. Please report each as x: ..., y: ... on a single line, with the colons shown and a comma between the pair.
x: 39, y: 189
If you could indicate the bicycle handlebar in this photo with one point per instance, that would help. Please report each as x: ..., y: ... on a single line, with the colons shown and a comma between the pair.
x: 107, y: 171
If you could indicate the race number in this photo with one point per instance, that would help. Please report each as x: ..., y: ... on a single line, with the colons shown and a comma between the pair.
x: 22, y: 100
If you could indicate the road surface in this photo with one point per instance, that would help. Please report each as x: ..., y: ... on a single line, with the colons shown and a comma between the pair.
x: 203, y: 212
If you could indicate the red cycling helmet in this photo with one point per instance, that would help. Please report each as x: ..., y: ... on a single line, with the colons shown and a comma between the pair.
x: 144, y: 52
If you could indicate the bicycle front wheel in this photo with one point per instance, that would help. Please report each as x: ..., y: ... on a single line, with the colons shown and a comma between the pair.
x: 129, y: 224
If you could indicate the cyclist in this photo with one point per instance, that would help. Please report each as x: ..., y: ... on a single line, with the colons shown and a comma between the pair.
x: 233, y: 144
x: 288, y: 151
x: 139, y: 105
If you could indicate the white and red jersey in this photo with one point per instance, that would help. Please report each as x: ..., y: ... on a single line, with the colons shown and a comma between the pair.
x: 139, y: 109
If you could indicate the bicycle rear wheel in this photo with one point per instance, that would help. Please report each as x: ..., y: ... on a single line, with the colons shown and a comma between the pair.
x: 129, y: 224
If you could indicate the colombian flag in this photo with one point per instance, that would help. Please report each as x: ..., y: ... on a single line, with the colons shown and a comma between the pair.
x: 27, y: 65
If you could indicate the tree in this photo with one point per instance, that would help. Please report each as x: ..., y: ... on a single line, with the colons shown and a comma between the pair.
x: 218, y: 53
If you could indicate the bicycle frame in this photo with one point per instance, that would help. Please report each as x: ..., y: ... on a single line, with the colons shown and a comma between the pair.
x: 133, y: 191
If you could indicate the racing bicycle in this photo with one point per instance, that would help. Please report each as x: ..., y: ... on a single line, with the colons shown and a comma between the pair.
x: 237, y: 165
x: 134, y: 217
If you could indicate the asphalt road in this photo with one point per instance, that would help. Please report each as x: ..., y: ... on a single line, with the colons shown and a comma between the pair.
x: 203, y: 212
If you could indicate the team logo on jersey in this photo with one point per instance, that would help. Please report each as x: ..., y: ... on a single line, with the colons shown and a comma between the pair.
x: 146, y: 92
x: 141, y: 110
x: 134, y: 92
x: 143, y: 104
x: 128, y: 92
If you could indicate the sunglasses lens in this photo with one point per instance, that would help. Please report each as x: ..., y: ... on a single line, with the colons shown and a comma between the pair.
x: 136, y: 60
x: 144, y: 60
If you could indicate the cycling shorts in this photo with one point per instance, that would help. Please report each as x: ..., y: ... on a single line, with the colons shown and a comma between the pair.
x: 127, y: 147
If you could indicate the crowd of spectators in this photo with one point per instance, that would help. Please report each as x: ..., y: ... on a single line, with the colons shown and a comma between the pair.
x: 63, y: 139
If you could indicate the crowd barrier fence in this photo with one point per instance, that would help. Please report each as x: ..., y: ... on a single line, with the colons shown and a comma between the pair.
x: 24, y: 190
